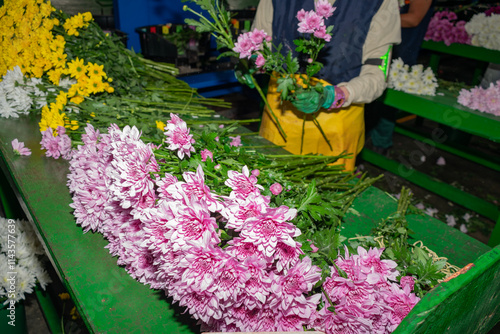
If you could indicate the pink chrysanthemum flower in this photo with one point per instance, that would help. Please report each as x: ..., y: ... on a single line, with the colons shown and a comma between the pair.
x: 19, y: 149
x: 162, y: 185
x: 407, y: 281
x: 310, y: 22
x: 190, y: 224
x: 205, y: 154
x: 344, y: 291
x: 324, y: 8
x: 291, y: 287
x: 202, y: 306
x: 270, y: 228
x: 345, y: 320
x: 56, y: 146
x: 321, y: 33
x: 287, y: 256
x: 195, y: 188
x: 377, y: 270
x: 88, y: 180
x: 260, y: 61
x: 242, y: 250
x: 178, y: 137
x: 236, y: 141
x: 133, y: 162
x: 276, y: 188
x: 258, y: 285
x: 401, y: 303
x: 243, y: 184
x: 230, y: 281
x: 239, y: 210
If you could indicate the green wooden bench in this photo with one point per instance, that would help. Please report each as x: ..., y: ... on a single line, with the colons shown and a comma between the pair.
x: 444, y: 109
x: 110, y: 301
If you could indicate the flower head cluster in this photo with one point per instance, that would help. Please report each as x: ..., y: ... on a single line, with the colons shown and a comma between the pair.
x: 28, y: 260
x: 178, y: 137
x: 492, y: 10
x: 483, y: 99
x: 313, y: 22
x: 18, y: 94
x: 78, y: 21
x: 444, y: 27
x: 57, y: 144
x: 414, y: 80
x: 27, y: 38
x: 484, y: 30
x: 250, y: 42
x: 365, y: 296
x: 166, y: 232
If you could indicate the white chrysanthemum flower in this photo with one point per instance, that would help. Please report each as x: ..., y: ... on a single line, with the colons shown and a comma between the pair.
x: 66, y: 82
x: 399, y: 85
x: 463, y: 228
x: 484, y: 30
x: 417, y: 70
x: 25, y: 282
x: 450, y: 220
x: 398, y: 64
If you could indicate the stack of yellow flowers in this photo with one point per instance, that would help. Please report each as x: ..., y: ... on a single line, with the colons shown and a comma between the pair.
x: 30, y: 39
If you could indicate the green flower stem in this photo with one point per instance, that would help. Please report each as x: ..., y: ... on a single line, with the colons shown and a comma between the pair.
x: 269, y: 109
x: 321, y: 130
x: 327, y: 297
x: 303, y: 132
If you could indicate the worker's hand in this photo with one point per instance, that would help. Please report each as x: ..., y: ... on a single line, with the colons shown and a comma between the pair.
x: 311, y: 101
x: 244, y: 71
x: 244, y: 78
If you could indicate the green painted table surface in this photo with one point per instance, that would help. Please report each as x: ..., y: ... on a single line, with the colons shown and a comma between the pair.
x: 110, y: 301
x: 444, y: 109
x: 464, y: 50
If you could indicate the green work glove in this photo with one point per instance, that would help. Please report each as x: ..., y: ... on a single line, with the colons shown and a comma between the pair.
x: 244, y: 78
x: 243, y: 72
x: 311, y: 101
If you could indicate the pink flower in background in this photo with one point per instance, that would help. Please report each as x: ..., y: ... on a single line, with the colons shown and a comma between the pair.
x: 178, y: 137
x: 324, y: 8
x: 19, y: 148
x: 276, y: 188
x: 206, y: 154
x: 483, y: 99
x: 236, y: 141
x: 443, y: 27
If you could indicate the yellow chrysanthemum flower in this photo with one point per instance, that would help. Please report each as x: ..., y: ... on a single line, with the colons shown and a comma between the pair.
x: 76, y: 68
x: 160, y: 125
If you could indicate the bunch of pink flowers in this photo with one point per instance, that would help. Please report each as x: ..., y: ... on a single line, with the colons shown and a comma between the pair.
x: 365, y: 297
x: 313, y: 22
x: 167, y: 233
x: 444, y: 27
x: 483, y: 99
